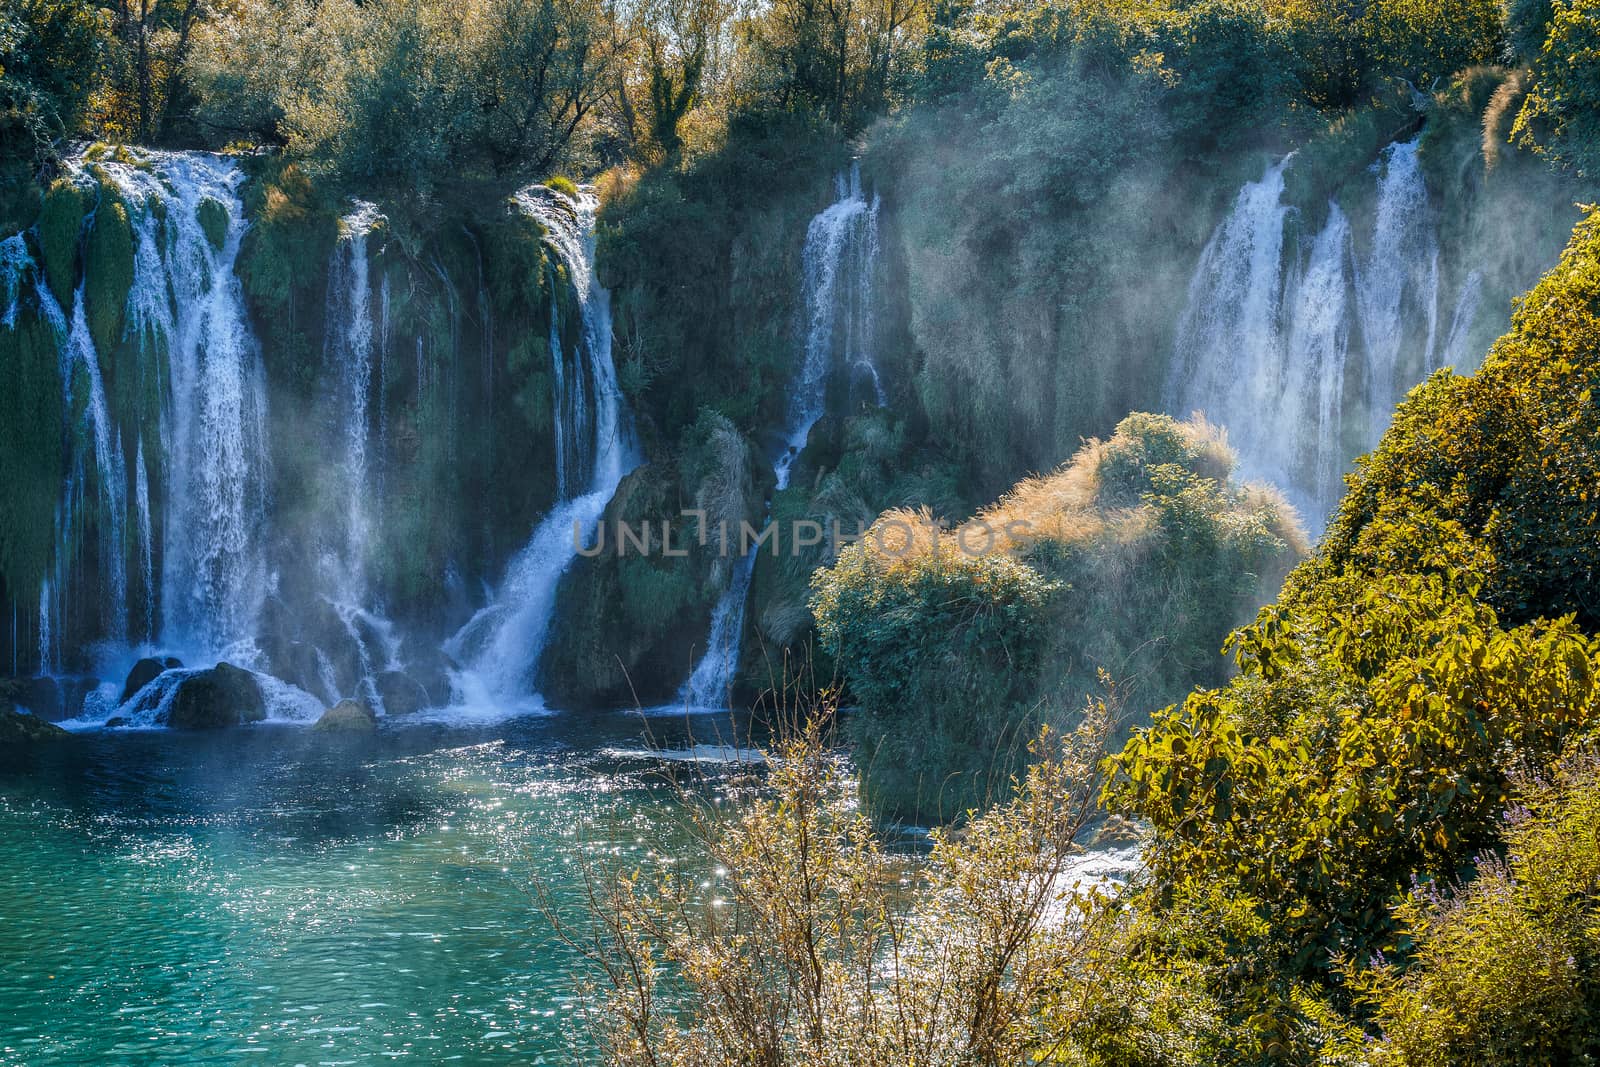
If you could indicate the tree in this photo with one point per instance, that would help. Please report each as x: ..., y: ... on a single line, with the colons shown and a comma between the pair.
x: 1561, y: 115
x: 49, y: 50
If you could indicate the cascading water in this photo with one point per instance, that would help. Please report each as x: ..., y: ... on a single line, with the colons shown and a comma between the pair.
x: 1300, y: 349
x: 1400, y: 275
x: 838, y: 264
x: 500, y: 646
x: 103, y: 465
x: 141, y: 484
x: 14, y: 265
x: 352, y: 338
x: 349, y: 354
x: 213, y: 428
x: 1456, y: 350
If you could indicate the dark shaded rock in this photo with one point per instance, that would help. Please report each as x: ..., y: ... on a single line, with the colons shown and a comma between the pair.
x: 298, y: 665
x: 75, y: 692
x: 144, y: 672
x: 402, y: 694
x: 431, y: 669
x: 225, y: 695
x: 348, y: 717
x: 43, y: 697
x: 20, y: 728
x: 115, y: 721
x: 172, y: 663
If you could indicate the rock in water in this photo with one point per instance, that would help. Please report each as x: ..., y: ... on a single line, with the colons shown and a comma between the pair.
x: 402, y: 694
x: 19, y: 728
x: 225, y: 695
x: 144, y: 672
x: 348, y: 717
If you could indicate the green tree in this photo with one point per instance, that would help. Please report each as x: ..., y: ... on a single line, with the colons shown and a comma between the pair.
x: 1561, y: 115
x: 49, y: 51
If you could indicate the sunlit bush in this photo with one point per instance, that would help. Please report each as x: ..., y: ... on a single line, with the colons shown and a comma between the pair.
x: 1136, y: 558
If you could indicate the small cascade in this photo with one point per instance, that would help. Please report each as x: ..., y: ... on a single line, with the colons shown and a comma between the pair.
x: 185, y: 292
x: 14, y: 264
x: 141, y: 489
x: 1314, y: 366
x: 95, y: 461
x: 838, y: 264
x: 349, y: 354
x: 1396, y: 281
x: 1302, y: 345
x: 500, y: 646
x: 1456, y: 349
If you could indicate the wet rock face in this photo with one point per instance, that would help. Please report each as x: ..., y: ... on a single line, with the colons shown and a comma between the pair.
x: 49, y: 699
x: 143, y: 673
x: 211, y: 699
x: 402, y: 694
x: 44, y: 698
x: 348, y: 717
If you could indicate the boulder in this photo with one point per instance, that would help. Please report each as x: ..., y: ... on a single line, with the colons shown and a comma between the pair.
x: 144, y: 672
x: 348, y: 717
x: 402, y: 694
x: 20, y: 728
x: 225, y: 695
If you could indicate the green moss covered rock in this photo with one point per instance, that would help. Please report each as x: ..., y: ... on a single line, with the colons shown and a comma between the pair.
x: 347, y: 717
x: 32, y: 461
x: 66, y: 205
x: 214, y: 221
x: 107, y: 271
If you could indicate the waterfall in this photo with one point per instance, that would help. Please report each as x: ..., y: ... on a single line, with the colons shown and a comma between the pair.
x: 14, y: 263
x: 141, y: 488
x: 837, y: 267
x: 1302, y: 347
x: 101, y: 465
x: 1399, y: 277
x: 348, y: 354
x: 213, y: 426
x: 500, y: 646
x: 1314, y: 367
x: 1456, y: 346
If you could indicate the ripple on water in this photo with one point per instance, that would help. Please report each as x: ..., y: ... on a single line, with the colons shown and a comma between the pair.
x: 180, y: 899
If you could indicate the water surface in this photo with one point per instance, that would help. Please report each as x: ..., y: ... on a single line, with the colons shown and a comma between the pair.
x: 270, y: 895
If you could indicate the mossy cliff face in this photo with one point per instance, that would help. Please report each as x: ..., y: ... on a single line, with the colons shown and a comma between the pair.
x: 31, y: 456
x: 634, y: 614
x: 458, y: 407
x: 82, y: 242
x: 459, y: 397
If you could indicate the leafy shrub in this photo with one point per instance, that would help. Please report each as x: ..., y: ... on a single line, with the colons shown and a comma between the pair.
x: 1505, y: 970
x: 1136, y: 558
x: 1560, y: 113
x: 563, y: 185
x: 1370, y: 737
